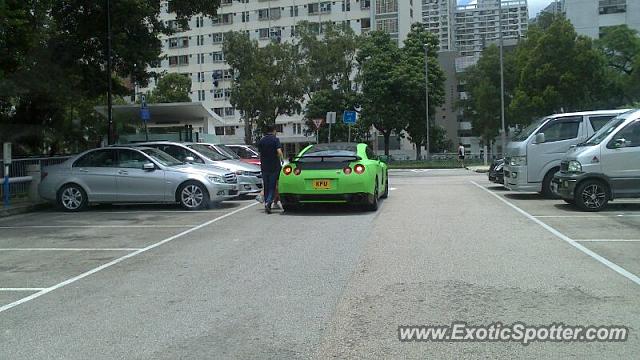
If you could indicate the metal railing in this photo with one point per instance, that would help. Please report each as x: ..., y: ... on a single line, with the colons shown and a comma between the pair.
x: 19, y: 176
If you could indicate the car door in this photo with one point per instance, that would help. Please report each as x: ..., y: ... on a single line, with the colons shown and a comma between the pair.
x: 96, y: 172
x: 135, y: 184
x: 622, y: 163
x: 560, y: 134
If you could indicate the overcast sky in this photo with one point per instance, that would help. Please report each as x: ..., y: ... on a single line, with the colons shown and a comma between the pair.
x: 534, y: 5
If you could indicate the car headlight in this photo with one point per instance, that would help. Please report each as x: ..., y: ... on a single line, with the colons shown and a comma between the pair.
x: 216, y: 179
x: 518, y: 161
x: 574, y: 166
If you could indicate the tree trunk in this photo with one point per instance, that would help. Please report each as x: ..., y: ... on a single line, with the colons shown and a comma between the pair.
x: 248, y: 132
x: 418, y: 151
x: 386, y: 135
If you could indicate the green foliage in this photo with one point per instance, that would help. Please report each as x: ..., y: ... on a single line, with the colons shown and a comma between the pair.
x: 52, y: 57
x: 171, y: 88
x: 620, y: 46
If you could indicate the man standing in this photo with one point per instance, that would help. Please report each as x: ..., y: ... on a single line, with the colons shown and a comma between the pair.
x: 461, y: 153
x: 270, y: 162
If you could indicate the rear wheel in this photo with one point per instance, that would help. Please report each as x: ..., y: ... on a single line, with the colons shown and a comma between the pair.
x: 591, y: 195
x: 193, y: 196
x: 72, y: 197
x: 373, y: 204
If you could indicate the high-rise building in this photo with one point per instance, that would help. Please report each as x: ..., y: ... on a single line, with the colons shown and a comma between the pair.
x: 592, y: 17
x: 197, y: 52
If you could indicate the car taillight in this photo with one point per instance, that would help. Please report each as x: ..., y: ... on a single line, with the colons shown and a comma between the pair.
x: 287, y: 170
x: 359, y: 169
x: 347, y: 170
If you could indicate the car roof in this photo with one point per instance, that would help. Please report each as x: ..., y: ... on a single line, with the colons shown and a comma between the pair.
x: 591, y: 112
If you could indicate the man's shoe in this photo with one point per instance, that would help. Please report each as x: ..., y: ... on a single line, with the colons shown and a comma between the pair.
x: 267, y: 208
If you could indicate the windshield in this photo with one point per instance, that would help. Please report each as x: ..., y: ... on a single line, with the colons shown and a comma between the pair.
x: 526, y: 132
x: 330, y: 152
x: 162, y: 157
x: 228, y: 152
x: 602, y: 134
x: 207, y: 151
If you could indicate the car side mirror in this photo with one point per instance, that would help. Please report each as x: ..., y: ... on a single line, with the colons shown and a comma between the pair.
x: 384, y: 158
x: 539, y: 138
x: 620, y: 143
x: 148, y: 167
x: 189, y: 159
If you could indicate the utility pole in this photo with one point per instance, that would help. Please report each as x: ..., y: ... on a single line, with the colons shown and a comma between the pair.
x: 426, y: 92
x: 503, y: 135
x: 110, y: 136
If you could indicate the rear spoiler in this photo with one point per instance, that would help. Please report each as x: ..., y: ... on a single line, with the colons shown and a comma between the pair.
x: 295, y: 159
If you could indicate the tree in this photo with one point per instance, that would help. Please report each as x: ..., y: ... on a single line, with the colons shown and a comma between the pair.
x: 55, y: 58
x: 620, y: 46
x: 410, y: 82
x: 268, y: 80
x: 376, y: 59
x: 171, y: 88
x: 558, y: 70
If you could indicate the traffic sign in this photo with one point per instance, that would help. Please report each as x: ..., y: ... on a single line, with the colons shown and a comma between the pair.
x: 318, y: 122
x: 331, y: 117
x: 349, y: 117
x: 145, y: 115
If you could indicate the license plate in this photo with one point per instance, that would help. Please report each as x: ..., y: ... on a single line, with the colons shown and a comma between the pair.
x: 322, y: 184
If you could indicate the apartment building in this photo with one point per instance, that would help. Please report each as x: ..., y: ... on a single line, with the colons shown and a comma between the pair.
x: 464, y: 31
x: 592, y: 17
x: 197, y: 50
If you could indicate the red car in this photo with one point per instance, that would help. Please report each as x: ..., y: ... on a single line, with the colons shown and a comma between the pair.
x: 247, y: 153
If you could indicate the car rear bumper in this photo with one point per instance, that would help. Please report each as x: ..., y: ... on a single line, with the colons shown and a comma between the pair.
x: 350, y: 198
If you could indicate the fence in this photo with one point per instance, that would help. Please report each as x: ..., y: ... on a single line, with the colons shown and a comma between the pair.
x: 19, y: 175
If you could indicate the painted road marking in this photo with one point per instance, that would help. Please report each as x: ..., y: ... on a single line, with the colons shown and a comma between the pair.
x: 562, y: 236
x: 608, y: 240
x: 119, y: 260
x: 71, y: 249
x: 95, y: 226
x: 588, y: 216
x: 22, y: 289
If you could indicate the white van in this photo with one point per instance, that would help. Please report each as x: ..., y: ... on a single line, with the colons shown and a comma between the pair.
x: 533, y: 156
x: 605, y: 167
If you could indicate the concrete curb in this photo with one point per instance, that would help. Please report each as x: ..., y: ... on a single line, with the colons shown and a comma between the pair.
x: 22, y: 208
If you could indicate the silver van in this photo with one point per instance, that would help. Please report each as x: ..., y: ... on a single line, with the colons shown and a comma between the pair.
x: 533, y: 156
x: 605, y: 167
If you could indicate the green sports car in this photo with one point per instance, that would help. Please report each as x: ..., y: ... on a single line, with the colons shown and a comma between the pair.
x: 334, y: 173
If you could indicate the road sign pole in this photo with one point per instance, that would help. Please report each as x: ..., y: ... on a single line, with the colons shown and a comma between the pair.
x: 5, y: 186
x: 329, y: 133
x: 349, y: 134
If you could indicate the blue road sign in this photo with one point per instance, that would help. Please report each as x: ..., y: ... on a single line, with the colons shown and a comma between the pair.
x: 144, y: 114
x: 349, y: 117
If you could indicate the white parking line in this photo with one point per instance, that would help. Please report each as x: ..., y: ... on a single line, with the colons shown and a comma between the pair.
x: 562, y: 236
x: 603, y: 216
x: 94, y: 226
x: 71, y: 249
x: 22, y: 289
x: 118, y: 260
x: 608, y: 240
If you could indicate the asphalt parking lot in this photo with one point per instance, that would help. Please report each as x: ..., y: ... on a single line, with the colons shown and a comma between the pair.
x: 44, y: 250
x: 613, y: 234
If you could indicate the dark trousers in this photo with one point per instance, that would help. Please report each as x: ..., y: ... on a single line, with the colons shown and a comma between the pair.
x: 269, y: 180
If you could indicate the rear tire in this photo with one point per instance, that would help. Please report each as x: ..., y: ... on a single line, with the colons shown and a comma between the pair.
x: 192, y: 195
x: 373, y: 204
x: 72, y: 198
x: 592, y: 195
x: 547, y: 192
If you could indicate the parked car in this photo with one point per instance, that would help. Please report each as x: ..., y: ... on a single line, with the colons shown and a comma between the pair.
x: 249, y: 176
x: 247, y: 153
x: 605, y: 167
x: 134, y: 175
x: 533, y: 156
x: 334, y: 173
x: 496, y: 171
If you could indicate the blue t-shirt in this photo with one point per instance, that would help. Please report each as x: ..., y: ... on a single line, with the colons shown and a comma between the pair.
x: 268, y: 147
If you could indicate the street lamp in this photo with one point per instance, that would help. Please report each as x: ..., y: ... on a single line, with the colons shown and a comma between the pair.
x: 426, y: 91
x: 503, y: 135
x: 110, y: 139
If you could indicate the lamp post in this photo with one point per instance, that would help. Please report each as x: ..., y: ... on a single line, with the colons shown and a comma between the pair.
x: 110, y: 139
x: 503, y: 135
x: 426, y: 92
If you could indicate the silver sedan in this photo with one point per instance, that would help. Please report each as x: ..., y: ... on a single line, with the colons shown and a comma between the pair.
x: 134, y: 175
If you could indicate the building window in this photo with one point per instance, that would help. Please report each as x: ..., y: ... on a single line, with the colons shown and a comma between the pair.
x: 217, y: 56
x: 201, y: 95
x: 181, y: 60
x: 178, y: 42
x: 365, y: 24
x: 222, y: 19
x: 263, y: 33
x: 201, y: 76
x: 612, y: 6
x: 279, y: 128
x: 219, y: 130
x: 320, y: 8
x: 297, y: 129
x: 293, y: 11
x: 245, y: 16
x: 386, y: 6
x: 227, y: 74
x: 200, y: 40
x: 229, y: 111
x: 390, y: 26
x: 217, y: 38
x: 365, y: 4
x: 346, y: 5
x: 229, y: 130
x: 219, y: 111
